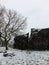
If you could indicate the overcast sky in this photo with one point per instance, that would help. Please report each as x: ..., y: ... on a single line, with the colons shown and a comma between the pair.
x: 37, y: 11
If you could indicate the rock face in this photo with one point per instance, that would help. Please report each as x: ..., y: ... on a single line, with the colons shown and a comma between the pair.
x: 40, y: 40
x: 21, y: 42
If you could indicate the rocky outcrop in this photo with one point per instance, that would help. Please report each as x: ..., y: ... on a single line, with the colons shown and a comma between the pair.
x: 40, y: 40
x: 21, y: 42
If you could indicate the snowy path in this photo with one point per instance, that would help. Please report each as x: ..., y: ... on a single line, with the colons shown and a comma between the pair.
x: 25, y: 58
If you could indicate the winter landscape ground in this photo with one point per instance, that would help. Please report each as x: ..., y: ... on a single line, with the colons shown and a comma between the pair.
x: 24, y: 57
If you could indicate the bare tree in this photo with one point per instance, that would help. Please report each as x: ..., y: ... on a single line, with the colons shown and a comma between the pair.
x: 12, y: 23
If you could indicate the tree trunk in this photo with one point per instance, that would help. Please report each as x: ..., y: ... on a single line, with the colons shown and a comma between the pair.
x: 6, y: 44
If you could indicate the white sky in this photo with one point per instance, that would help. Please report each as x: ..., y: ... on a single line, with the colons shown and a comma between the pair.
x: 37, y: 11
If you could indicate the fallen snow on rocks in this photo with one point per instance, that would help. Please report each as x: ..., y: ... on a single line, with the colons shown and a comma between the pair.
x: 24, y: 57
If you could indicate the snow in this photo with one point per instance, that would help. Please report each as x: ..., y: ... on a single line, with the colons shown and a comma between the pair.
x: 24, y: 57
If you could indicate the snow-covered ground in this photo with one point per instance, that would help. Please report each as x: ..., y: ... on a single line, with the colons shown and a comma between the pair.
x: 24, y: 57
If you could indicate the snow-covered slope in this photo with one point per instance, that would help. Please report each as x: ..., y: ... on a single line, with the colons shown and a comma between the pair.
x: 24, y: 57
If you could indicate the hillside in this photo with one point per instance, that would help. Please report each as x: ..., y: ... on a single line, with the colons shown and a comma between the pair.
x: 24, y: 57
